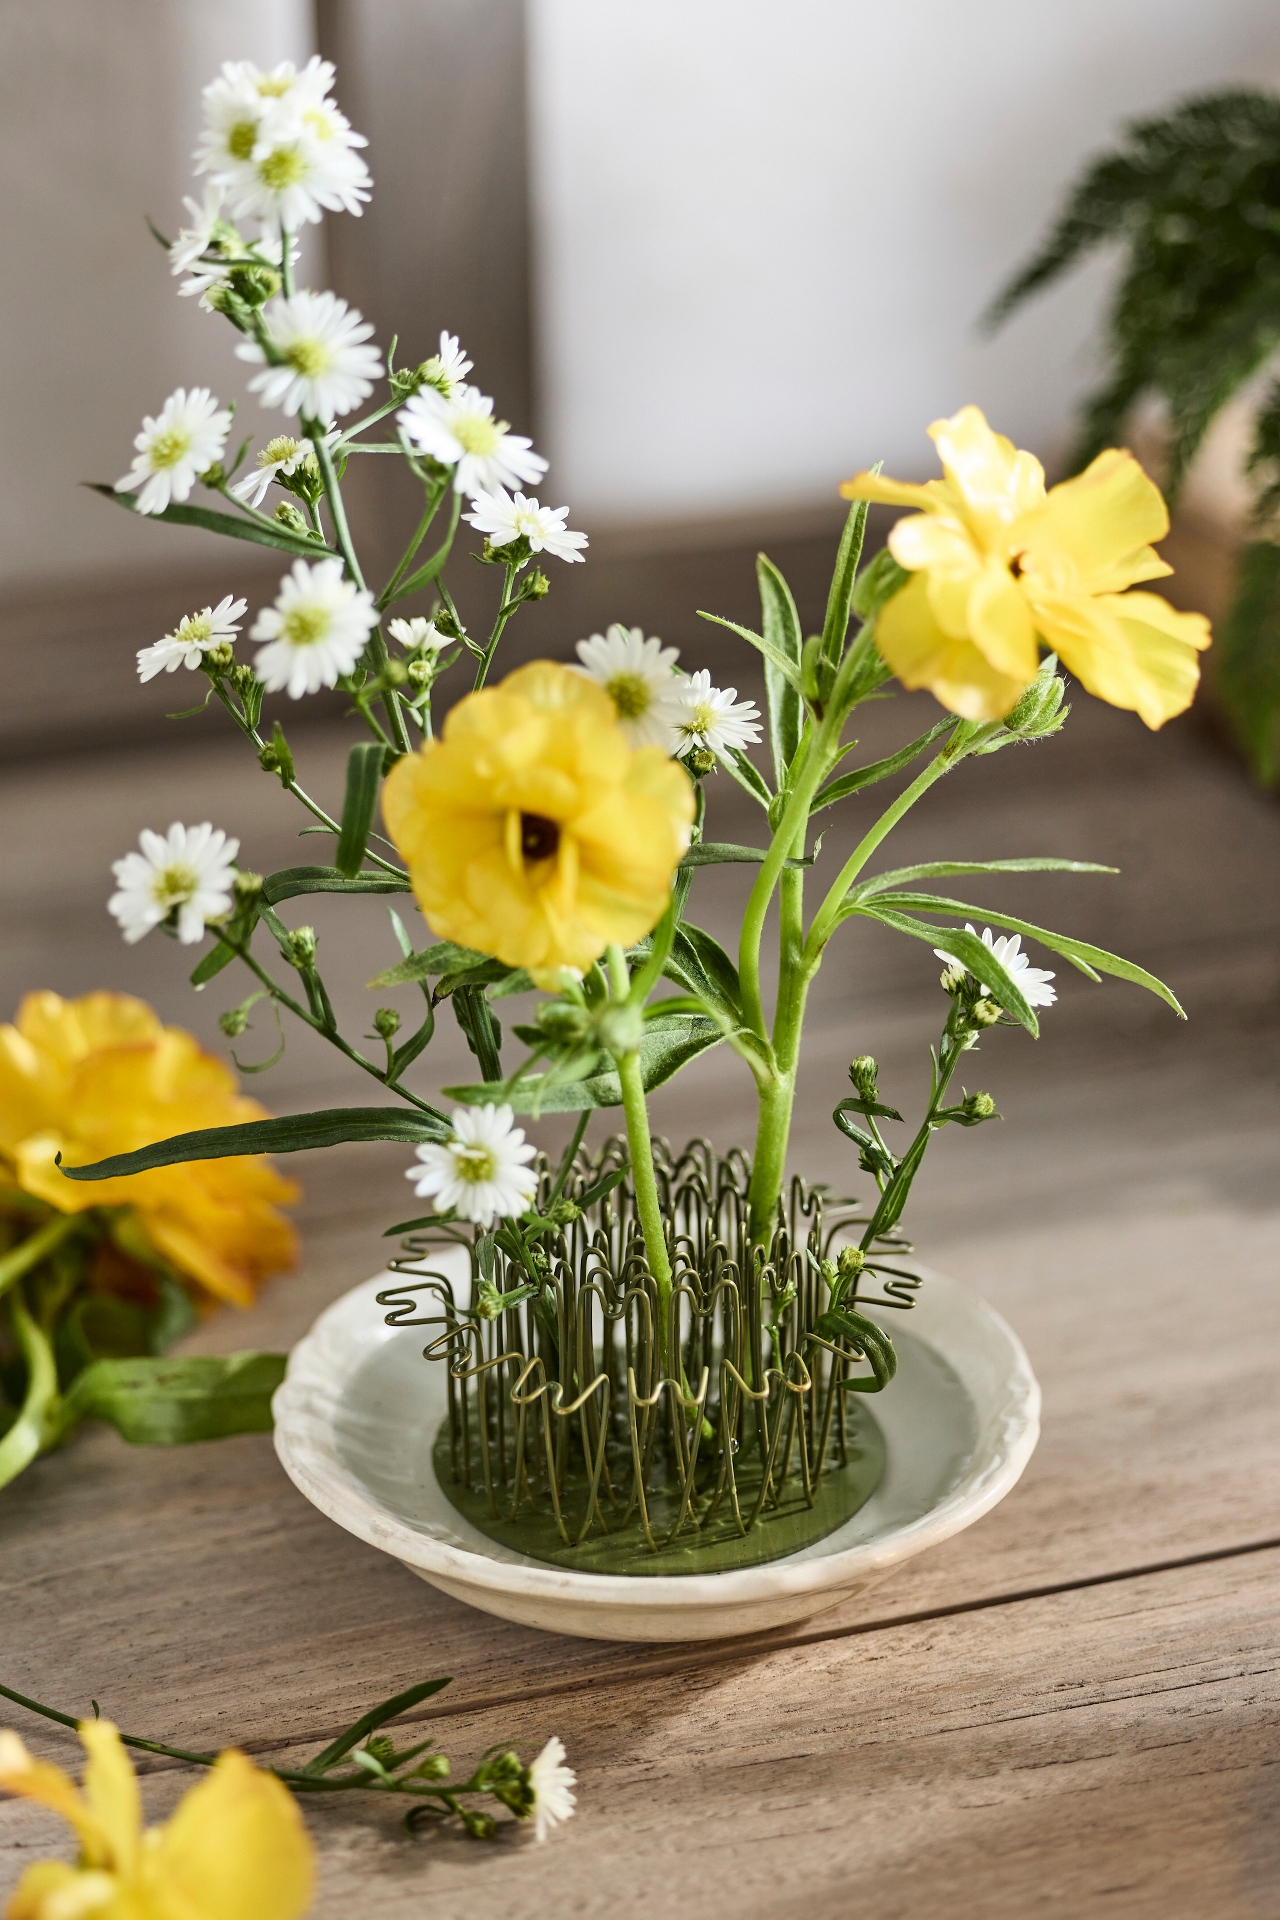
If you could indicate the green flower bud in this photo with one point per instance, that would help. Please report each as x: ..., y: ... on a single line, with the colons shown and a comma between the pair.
x: 247, y: 886
x: 254, y: 285
x: 489, y: 1302
x: 563, y: 1212
x: 234, y: 1022
x: 394, y: 673
x: 862, y: 1072
x: 978, y: 1106
x: 287, y: 515
x: 219, y: 659
x: 386, y: 1023
x: 618, y: 1029
x: 300, y: 948
x: 420, y: 673
x: 850, y: 1262
x: 275, y: 756
x: 700, y: 762
x: 434, y: 1767
x: 443, y: 622
x: 537, y: 587
x: 562, y: 1021
x: 382, y: 1747
x: 952, y: 979
x: 985, y: 1013
x: 480, y: 1826
x: 243, y: 679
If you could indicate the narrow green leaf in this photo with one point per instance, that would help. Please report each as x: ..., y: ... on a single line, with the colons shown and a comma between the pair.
x: 662, y: 1053
x: 462, y: 965
x: 969, y: 950
x: 781, y: 626
x: 789, y: 669
x: 872, y: 1341
x: 858, y: 1105
x: 1088, y: 959
x: 835, y: 625
x: 739, y: 768
x: 369, y: 1723
x: 292, y: 881
x: 699, y: 963
x: 213, y: 962
x: 364, y: 777
x: 882, y: 769
x: 719, y: 853
x: 167, y: 1403
x: 290, y: 1133
x: 892, y: 881
x: 224, y: 523
x: 880, y: 579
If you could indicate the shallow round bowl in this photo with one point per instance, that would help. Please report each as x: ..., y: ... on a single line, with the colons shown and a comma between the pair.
x: 357, y: 1414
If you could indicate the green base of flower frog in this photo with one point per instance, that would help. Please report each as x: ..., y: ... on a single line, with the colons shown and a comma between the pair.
x: 717, y: 1545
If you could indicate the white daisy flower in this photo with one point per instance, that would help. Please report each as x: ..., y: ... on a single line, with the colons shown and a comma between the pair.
x: 317, y: 628
x: 417, y: 635
x: 281, y: 456
x: 191, y: 639
x: 1032, y: 982
x: 705, y: 716
x: 505, y: 518
x: 637, y: 674
x: 326, y: 368
x: 233, y: 114
x: 195, y: 240
x: 189, y: 870
x: 175, y: 447
x: 297, y: 173
x: 551, y: 1784
x: 448, y: 368
x: 481, y: 1171
x: 459, y: 431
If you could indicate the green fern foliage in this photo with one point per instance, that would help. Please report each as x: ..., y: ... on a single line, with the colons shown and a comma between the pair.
x: 1193, y: 200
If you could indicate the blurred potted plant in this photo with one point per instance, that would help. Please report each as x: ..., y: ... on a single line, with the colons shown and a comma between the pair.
x: 1193, y: 199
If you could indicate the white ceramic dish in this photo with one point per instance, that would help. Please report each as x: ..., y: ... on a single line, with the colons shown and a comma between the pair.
x: 358, y: 1411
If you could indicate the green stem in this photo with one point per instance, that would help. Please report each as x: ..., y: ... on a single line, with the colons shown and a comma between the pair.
x: 640, y: 1142
x: 286, y: 263
x: 31, y: 1252
x: 30, y: 1432
x: 376, y: 649
x: 505, y: 612
x: 435, y: 495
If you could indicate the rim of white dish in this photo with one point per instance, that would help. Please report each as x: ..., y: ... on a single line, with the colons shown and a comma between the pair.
x: 316, y: 1472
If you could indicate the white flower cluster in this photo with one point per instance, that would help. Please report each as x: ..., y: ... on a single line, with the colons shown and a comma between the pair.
x: 277, y: 146
x: 659, y: 706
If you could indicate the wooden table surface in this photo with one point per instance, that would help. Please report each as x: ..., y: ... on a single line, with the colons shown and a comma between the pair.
x: 1071, y: 1708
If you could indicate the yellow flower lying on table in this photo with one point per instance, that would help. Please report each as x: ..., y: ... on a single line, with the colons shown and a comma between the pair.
x: 533, y: 830
x: 998, y: 564
x: 234, y: 1849
x: 101, y: 1075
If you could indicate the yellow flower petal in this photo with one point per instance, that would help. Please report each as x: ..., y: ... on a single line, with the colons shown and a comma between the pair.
x: 111, y: 1790
x: 923, y: 655
x: 1104, y: 521
x: 891, y: 493
x: 997, y: 482
x: 930, y: 540
x: 236, y: 1848
x: 40, y: 1780
x: 1132, y: 650
x: 53, y: 1891
x: 532, y: 829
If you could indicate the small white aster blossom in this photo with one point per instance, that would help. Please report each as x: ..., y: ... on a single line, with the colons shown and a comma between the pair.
x: 1031, y: 982
x: 448, y: 368
x: 281, y: 456
x: 279, y: 146
x: 551, y: 1784
x: 326, y: 367
x: 459, y: 431
x: 175, y: 447
x: 417, y: 635
x: 638, y: 676
x: 233, y: 114
x: 705, y: 716
x: 192, y: 638
x: 317, y: 629
x: 195, y: 240
x: 481, y: 1172
x: 190, y: 869
x: 504, y: 518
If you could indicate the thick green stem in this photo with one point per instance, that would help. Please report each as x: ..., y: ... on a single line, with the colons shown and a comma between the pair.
x: 640, y: 1142
x: 30, y: 1432
x: 29, y: 1253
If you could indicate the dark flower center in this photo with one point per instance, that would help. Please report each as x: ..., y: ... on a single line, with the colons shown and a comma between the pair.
x: 539, y: 837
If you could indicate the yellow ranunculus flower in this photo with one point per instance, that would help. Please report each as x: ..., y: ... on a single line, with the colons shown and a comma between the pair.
x: 998, y: 564
x: 234, y: 1849
x: 533, y: 830
x: 100, y: 1075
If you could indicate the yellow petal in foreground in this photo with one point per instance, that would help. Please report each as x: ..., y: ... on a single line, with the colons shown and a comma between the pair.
x: 235, y: 1848
x: 533, y: 830
x: 1000, y: 566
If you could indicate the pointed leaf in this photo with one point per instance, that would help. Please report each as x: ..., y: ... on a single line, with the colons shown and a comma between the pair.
x: 739, y: 768
x: 1087, y: 959
x: 881, y: 769
x: 970, y: 951
x: 213, y: 962
x: 664, y: 1049
x: 369, y: 1723
x: 225, y: 523
x: 840, y: 597
x: 292, y: 881
x: 891, y: 882
x: 167, y: 1403
x: 292, y: 1133
x: 781, y: 625
x: 872, y: 1341
x: 364, y: 777
x: 444, y: 958
x: 700, y: 963
x: 789, y: 669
